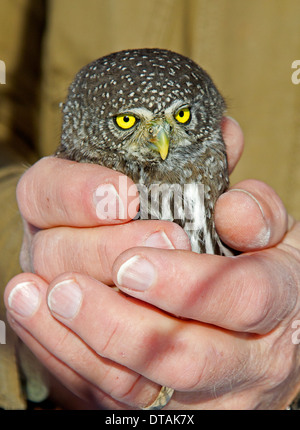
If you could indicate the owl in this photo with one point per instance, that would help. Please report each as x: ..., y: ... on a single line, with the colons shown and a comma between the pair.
x: 155, y: 116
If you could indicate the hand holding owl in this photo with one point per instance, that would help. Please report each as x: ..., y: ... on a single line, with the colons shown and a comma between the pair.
x: 124, y: 369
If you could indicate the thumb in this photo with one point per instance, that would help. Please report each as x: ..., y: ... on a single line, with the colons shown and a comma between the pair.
x: 250, y: 216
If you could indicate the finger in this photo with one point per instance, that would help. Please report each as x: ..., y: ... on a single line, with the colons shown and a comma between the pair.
x: 64, y: 353
x: 171, y: 352
x: 93, y: 250
x: 87, y: 396
x: 234, y: 141
x: 55, y: 192
x: 250, y: 216
x: 248, y: 293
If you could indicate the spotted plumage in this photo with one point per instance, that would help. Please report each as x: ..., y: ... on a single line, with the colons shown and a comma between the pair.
x: 156, y: 116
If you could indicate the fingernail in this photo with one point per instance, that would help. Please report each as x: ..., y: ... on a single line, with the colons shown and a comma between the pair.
x: 159, y: 239
x: 65, y: 299
x: 108, y: 204
x: 24, y: 299
x: 137, y: 273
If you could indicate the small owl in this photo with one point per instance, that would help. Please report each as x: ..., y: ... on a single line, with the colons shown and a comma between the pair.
x: 155, y: 116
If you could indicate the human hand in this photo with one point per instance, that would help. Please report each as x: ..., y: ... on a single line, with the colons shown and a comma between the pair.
x: 211, y: 366
x: 63, y: 229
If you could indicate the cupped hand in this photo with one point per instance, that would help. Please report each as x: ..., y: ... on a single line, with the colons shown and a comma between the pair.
x: 216, y: 329
x: 69, y: 209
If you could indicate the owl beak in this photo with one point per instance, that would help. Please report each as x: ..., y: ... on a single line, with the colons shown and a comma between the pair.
x: 160, y: 141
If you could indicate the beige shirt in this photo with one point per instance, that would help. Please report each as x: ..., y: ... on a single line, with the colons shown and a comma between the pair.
x: 247, y: 47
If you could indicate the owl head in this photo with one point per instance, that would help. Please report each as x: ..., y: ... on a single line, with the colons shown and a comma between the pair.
x: 146, y: 107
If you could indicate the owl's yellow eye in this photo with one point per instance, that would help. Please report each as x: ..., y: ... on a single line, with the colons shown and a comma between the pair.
x: 183, y: 115
x: 125, y: 121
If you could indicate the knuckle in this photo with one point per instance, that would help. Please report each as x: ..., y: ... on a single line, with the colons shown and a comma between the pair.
x: 22, y: 193
x: 103, y: 254
x: 189, y: 375
x: 268, y: 300
x: 130, y: 388
x: 107, y: 342
x: 63, y: 342
x: 176, y: 369
x: 28, y: 193
x: 255, y: 305
x: 37, y: 249
x: 281, y: 361
x: 259, y: 316
x: 125, y: 391
x: 47, y: 260
x: 256, y: 317
x: 25, y: 257
x: 278, y: 372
